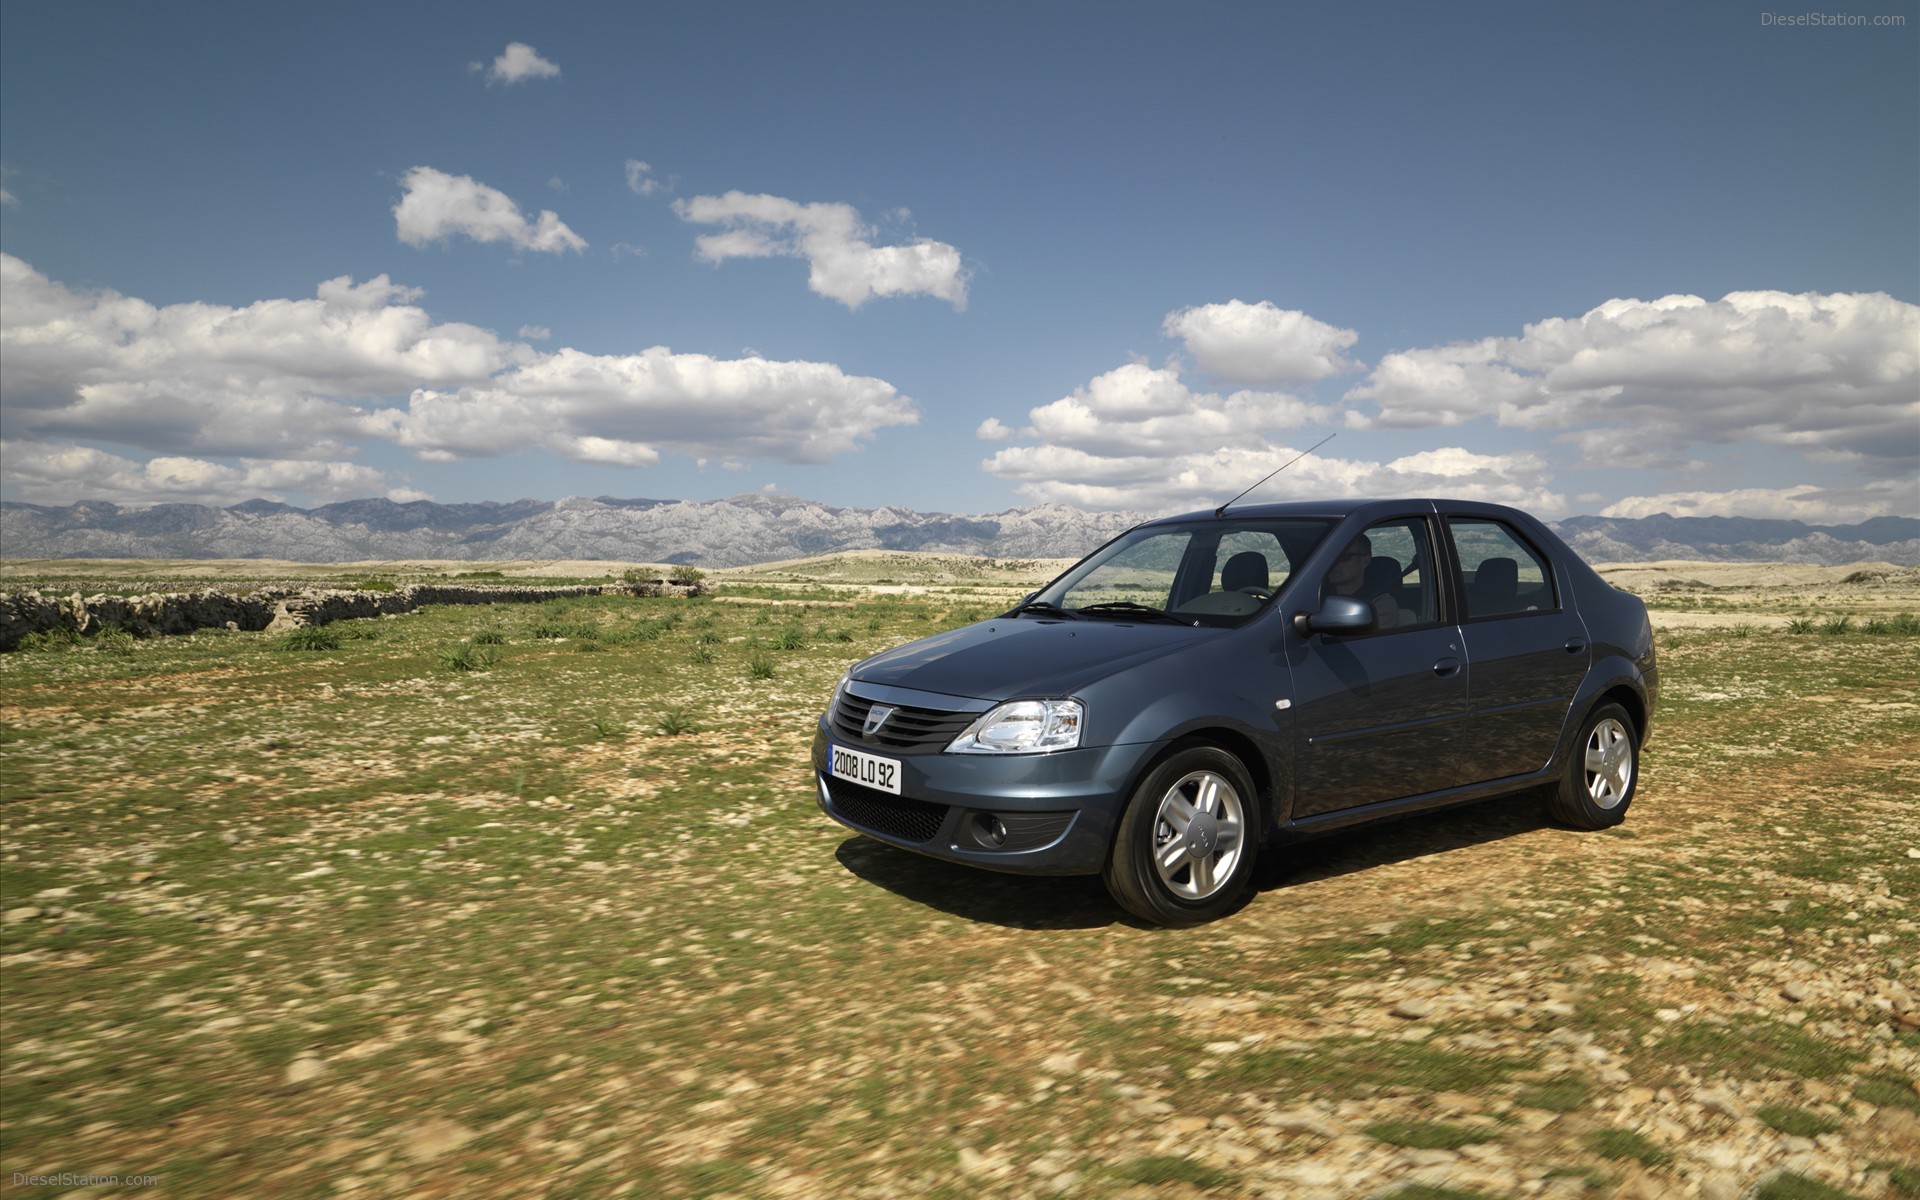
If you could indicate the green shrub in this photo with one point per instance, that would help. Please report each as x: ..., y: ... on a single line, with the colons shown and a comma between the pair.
x: 674, y: 722
x: 605, y: 727
x: 1625, y: 1143
x: 1801, y: 625
x: 1838, y: 625
x: 1162, y: 1169
x: 1788, y: 1185
x: 376, y: 585
x: 1797, y: 1122
x: 468, y: 657
x: 489, y: 637
x: 790, y: 638
x: 1565, y: 1094
x: 760, y: 667
x: 1427, y: 1135
x: 50, y: 639
x: 114, y: 640
x: 703, y: 655
x: 309, y: 637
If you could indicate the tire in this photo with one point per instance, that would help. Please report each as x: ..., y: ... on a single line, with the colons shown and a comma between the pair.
x: 1184, y: 851
x: 1601, y: 773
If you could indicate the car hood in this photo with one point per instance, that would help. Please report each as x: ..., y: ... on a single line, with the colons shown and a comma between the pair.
x: 1010, y: 657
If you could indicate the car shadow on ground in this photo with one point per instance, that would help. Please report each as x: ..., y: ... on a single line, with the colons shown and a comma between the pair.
x: 1368, y: 846
x: 984, y: 897
x: 1081, y: 902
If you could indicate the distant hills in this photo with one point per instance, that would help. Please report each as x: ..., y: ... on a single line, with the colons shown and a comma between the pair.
x: 760, y: 528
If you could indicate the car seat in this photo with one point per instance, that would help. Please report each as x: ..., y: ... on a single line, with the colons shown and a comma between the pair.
x: 1496, y: 588
x: 1247, y: 569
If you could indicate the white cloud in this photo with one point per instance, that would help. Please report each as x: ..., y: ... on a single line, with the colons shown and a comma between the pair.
x: 1139, y: 409
x: 518, y: 63
x: 1163, y: 483
x: 558, y: 184
x: 844, y: 264
x: 438, y: 206
x: 308, y: 379
x: 640, y: 180
x: 1836, y: 377
x: 7, y: 198
x: 622, y: 408
x: 1139, y: 437
x: 1260, y: 343
x: 62, y: 473
x: 1804, y: 502
x: 535, y: 333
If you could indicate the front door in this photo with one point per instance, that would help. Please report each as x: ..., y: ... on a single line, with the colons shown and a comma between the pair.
x: 1380, y: 715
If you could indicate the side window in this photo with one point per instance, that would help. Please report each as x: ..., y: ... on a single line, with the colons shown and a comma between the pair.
x: 1250, y: 560
x: 1391, y: 567
x: 1501, y: 572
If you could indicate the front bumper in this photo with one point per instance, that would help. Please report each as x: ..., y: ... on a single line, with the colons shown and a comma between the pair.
x: 1032, y: 814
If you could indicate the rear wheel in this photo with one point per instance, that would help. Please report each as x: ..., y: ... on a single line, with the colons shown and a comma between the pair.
x: 1185, y: 849
x: 1601, y: 773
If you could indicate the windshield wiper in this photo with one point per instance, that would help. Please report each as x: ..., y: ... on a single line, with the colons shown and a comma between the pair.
x: 1046, y: 609
x: 1127, y: 608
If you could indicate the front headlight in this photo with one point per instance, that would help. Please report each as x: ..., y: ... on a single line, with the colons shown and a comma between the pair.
x: 1023, y: 727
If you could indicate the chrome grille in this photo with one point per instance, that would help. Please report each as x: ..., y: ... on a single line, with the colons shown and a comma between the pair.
x: 924, y: 729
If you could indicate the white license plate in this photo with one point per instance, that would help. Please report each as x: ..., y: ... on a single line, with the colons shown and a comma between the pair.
x: 868, y: 770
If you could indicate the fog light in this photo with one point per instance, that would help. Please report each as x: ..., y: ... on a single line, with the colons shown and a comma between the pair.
x: 992, y: 829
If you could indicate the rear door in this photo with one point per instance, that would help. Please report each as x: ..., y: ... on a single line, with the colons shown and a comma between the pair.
x: 1528, y: 647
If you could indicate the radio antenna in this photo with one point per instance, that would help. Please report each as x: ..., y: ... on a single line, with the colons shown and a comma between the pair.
x: 1222, y: 510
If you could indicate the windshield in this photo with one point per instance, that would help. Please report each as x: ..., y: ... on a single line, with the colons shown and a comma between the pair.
x: 1216, y: 572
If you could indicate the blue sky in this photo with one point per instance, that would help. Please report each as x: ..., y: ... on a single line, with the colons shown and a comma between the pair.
x: 1621, y: 258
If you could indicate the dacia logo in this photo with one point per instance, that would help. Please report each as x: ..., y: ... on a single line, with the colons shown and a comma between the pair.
x: 876, y: 717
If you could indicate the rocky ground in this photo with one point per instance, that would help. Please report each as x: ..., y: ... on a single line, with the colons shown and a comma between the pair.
x: 364, y: 923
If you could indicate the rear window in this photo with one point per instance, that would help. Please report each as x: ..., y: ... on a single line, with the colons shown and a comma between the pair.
x: 1503, y: 575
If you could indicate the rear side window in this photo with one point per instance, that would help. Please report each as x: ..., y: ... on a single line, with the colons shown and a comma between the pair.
x: 1502, y: 574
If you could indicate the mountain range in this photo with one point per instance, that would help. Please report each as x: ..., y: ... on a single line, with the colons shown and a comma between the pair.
x: 757, y: 528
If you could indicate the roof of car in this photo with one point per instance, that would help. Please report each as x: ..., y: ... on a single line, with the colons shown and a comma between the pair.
x: 1336, y: 508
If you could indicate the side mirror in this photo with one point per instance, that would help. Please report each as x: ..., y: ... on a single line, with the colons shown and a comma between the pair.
x: 1340, y: 614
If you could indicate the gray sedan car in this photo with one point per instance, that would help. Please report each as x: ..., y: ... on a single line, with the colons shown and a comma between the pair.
x: 1207, y: 685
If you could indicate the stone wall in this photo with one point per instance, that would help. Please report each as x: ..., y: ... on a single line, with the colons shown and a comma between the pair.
x: 156, y: 614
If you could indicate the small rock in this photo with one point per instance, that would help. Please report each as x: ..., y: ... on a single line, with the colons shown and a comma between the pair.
x: 14, y: 916
x: 1794, y: 990
x: 57, y: 893
x: 1303, y: 1120
x: 307, y: 1066
x: 1060, y: 1064
x: 140, y: 876
x: 1721, y: 1101
x: 430, y: 1139
x: 1413, y: 1008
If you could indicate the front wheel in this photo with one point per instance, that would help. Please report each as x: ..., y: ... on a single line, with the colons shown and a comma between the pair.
x: 1601, y: 773
x: 1186, y: 844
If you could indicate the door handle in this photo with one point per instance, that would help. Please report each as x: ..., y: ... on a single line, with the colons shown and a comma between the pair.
x: 1446, y: 667
x: 1575, y: 645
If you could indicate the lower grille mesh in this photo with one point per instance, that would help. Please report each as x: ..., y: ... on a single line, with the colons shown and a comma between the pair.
x: 894, y: 816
